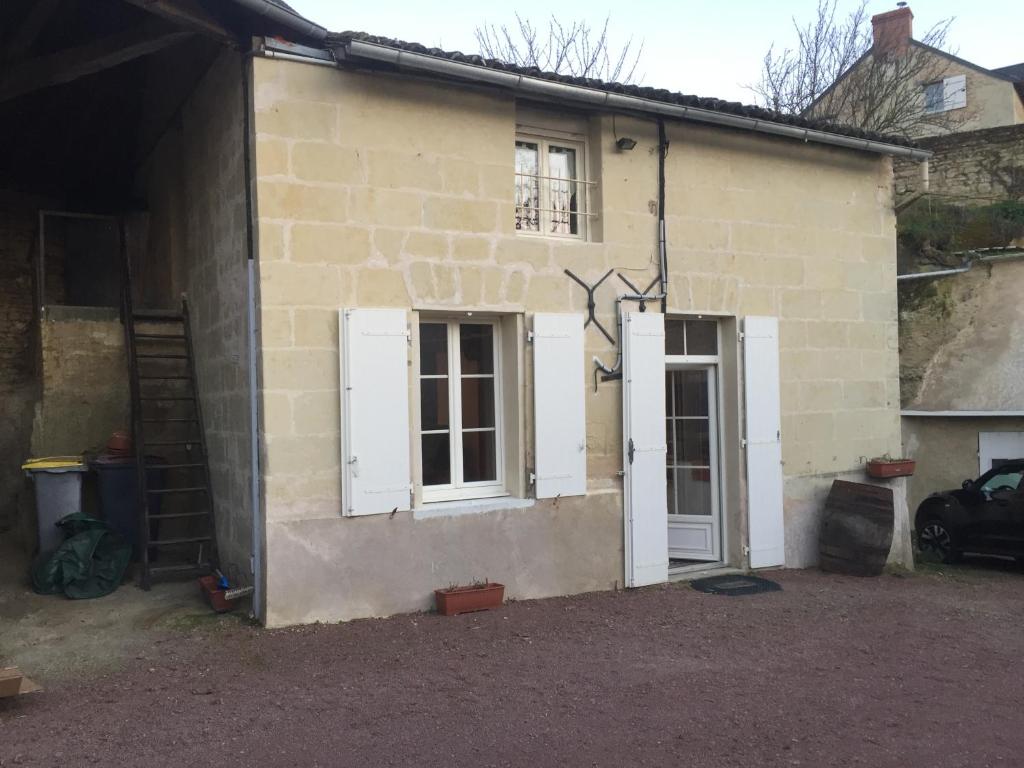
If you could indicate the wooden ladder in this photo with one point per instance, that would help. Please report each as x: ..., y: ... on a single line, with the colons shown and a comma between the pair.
x: 177, y: 535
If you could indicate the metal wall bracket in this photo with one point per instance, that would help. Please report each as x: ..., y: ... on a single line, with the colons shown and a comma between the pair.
x: 644, y: 295
x: 591, y: 317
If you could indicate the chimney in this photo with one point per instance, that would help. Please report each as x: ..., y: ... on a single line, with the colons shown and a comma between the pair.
x: 892, y: 31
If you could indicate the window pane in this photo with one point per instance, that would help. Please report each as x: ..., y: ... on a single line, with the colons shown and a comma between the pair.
x: 434, y: 404
x: 670, y: 442
x: 671, y: 491
x: 674, y: 337
x: 564, y: 193
x: 437, y: 464
x: 479, y: 458
x: 477, y: 345
x: 527, y: 186
x: 693, y: 491
x: 694, y: 445
x: 691, y: 393
x: 934, y: 97
x: 433, y: 349
x: 477, y: 403
x: 701, y: 337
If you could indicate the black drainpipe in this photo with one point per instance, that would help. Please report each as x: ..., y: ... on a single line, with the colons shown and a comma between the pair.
x: 662, y: 246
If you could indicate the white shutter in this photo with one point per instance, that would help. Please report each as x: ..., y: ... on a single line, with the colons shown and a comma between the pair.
x: 375, y: 411
x: 954, y: 92
x: 644, y: 449
x: 560, y: 424
x: 764, y: 441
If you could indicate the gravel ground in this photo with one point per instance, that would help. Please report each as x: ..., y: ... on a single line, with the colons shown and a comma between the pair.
x: 922, y: 670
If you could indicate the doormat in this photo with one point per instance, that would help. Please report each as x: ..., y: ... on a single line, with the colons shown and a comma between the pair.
x: 734, y: 585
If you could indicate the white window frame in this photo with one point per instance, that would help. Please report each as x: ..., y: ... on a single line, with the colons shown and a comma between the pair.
x: 458, y: 489
x: 544, y: 141
x: 954, y: 94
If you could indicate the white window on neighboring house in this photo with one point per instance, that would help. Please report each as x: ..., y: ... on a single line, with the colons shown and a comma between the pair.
x: 552, y: 193
x: 946, y: 94
x: 460, y: 409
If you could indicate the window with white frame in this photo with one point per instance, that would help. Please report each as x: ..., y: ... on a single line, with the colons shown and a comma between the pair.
x: 552, y: 192
x: 946, y: 94
x: 460, y: 409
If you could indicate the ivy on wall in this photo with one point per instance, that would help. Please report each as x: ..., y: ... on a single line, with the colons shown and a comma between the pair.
x: 931, y: 232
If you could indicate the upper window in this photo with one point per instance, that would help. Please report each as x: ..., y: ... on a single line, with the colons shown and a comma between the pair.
x: 946, y: 94
x: 460, y: 410
x: 692, y: 337
x: 551, y: 194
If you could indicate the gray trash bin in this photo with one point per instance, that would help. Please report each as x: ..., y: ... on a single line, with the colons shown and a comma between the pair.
x: 58, y: 482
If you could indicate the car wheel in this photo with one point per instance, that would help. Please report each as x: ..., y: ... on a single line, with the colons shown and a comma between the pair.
x: 935, y: 541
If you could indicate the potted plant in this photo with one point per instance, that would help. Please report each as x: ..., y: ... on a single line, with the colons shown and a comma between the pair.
x: 886, y: 466
x: 478, y: 596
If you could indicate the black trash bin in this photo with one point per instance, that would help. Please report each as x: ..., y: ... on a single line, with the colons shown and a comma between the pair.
x: 119, y: 496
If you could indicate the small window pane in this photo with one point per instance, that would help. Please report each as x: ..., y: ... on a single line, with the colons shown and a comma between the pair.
x: 563, y: 190
x: 477, y: 345
x: 433, y: 349
x: 674, y: 344
x: 479, y: 457
x: 477, y: 403
x: 437, y: 465
x: 701, y: 337
x: 693, y: 491
x: 671, y: 479
x: 934, y: 97
x: 694, y: 442
x: 690, y: 391
x: 434, y: 404
x: 527, y: 186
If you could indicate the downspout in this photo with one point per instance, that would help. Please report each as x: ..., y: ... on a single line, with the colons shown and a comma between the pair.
x: 256, y: 553
x: 662, y: 249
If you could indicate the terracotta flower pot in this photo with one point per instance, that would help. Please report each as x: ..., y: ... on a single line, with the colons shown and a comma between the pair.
x: 885, y: 468
x: 215, y: 595
x: 478, y: 597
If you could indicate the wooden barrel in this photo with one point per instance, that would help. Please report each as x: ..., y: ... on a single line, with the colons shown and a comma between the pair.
x: 856, y: 531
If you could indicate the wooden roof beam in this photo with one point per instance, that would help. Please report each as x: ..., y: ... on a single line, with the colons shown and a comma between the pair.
x: 184, y: 13
x: 73, y: 63
x: 20, y: 41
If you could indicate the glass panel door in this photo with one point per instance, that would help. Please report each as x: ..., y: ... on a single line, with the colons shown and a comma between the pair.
x: 691, y: 433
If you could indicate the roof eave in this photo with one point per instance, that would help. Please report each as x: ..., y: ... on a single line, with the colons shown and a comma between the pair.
x: 540, y: 88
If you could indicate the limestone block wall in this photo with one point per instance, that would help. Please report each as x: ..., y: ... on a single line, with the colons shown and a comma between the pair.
x: 380, y: 191
x: 196, y: 187
x: 978, y: 166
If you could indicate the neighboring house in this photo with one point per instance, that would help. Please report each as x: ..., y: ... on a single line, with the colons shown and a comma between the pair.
x: 403, y: 387
x: 952, y: 94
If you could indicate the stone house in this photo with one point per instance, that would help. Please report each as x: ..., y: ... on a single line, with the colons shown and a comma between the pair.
x: 456, y: 320
x: 953, y: 94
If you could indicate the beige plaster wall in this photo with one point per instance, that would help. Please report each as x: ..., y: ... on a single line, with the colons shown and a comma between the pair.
x: 379, y: 191
x: 195, y: 185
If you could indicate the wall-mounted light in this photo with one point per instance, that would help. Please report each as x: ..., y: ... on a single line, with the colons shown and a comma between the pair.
x: 625, y: 144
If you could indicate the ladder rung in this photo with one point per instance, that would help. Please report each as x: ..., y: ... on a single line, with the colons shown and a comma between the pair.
x: 169, y: 515
x: 165, y: 397
x: 190, y: 489
x: 161, y: 357
x: 168, y: 421
x: 172, y: 466
x: 158, y: 314
x: 164, y: 378
x: 157, y: 569
x: 151, y: 443
x: 187, y: 540
x: 154, y: 336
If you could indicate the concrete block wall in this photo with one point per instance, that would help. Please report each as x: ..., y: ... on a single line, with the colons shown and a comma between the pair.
x: 381, y: 191
x: 196, y: 187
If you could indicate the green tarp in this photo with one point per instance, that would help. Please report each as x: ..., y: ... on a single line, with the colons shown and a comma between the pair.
x: 90, y: 563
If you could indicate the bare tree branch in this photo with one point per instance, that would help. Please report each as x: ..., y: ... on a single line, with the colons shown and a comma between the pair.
x: 882, y: 93
x: 567, y: 47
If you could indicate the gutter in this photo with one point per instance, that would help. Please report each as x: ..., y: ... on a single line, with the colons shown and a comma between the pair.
x: 592, y: 97
x: 278, y: 15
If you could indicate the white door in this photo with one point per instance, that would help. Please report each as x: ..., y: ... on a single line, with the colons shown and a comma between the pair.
x: 691, y: 431
x: 643, y: 431
x: 995, y: 448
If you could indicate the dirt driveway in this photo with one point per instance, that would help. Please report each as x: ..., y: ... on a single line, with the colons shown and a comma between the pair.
x: 923, y: 670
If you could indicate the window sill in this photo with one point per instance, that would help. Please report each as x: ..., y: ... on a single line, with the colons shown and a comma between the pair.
x: 469, y: 507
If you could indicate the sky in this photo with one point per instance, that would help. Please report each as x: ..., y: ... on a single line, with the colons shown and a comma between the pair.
x: 702, y: 48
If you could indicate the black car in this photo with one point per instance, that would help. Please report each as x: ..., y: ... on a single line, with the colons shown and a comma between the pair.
x: 985, y: 516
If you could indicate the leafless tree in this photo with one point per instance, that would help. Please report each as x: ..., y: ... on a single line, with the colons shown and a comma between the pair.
x: 881, y: 92
x: 566, y: 47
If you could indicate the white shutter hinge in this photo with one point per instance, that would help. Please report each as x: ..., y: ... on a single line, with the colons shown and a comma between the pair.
x: 743, y: 442
x: 532, y: 478
x: 740, y: 336
x: 529, y: 337
x: 252, y: 564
